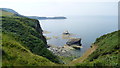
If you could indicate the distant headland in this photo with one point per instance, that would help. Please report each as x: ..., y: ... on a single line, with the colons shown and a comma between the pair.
x: 44, y: 18
x: 13, y: 12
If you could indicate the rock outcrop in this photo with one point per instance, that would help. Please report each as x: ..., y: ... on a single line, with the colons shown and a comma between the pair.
x: 76, y: 46
x: 74, y: 41
x: 40, y: 31
x: 61, y: 51
x: 66, y: 33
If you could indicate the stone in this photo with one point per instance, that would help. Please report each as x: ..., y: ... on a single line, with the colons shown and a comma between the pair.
x: 66, y: 33
x: 76, y: 46
x: 74, y: 41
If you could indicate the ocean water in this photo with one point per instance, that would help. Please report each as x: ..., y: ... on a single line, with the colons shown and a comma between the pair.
x: 88, y: 28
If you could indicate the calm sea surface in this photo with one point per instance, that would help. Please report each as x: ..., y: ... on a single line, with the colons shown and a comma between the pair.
x: 88, y: 28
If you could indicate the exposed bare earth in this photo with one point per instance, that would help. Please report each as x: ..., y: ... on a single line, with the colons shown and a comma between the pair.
x: 85, y: 55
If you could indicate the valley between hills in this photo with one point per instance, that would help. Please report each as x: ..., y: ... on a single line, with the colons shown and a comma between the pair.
x: 23, y: 44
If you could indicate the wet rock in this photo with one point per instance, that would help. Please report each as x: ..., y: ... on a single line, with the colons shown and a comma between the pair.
x: 60, y: 51
x: 56, y: 37
x: 66, y: 33
x: 74, y: 41
x: 76, y: 46
x: 47, y: 38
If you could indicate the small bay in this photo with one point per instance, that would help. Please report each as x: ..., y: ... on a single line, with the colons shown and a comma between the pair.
x: 88, y: 28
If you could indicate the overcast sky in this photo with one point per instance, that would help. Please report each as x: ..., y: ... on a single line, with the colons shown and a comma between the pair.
x: 61, y: 7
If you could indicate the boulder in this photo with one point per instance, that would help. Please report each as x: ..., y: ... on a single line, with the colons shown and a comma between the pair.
x: 66, y: 33
x: 76, y: 46
x: 74, y: 41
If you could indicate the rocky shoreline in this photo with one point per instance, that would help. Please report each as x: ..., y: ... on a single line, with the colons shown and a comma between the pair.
x: 71, y: 44
x: 61, y: 51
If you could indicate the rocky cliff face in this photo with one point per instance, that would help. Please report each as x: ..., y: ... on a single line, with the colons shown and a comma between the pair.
x: 39, y: 30
x: 11, y: 12
x: 26, y: 33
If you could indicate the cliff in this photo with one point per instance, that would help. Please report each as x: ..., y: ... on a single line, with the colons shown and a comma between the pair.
x: 23, y: 43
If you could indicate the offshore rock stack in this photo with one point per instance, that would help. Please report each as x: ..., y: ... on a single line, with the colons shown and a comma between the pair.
x: 75, y: 43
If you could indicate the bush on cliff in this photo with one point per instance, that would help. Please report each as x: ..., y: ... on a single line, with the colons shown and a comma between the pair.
x: 28, y: 34
x: 107, y: 53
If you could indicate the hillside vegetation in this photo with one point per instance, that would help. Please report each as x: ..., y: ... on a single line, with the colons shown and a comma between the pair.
x: 5, y: 13
x: 107, y: 52
x: 14, y: 54
x: 23, y: 42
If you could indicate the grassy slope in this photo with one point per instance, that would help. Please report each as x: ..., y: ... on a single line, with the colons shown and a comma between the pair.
x: 14, y: 54
x: 84, y: 56
x: 22, y: 39
x: 21, y: 43
x: 5, y: 13
x: 107, y: 52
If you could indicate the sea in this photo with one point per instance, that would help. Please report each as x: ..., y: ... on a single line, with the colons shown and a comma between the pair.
x: 88, y: 28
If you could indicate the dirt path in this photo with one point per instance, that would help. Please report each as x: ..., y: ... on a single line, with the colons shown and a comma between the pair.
x: 85, y: 55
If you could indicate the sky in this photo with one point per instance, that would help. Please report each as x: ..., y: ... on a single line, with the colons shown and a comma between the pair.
x: 61, y: 7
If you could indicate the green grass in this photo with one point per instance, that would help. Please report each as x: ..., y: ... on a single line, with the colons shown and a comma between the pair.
x: 66, y: 60
x: 5, y: 13
x: 14, y: 54
x: 24, y: 45
x: 26, y: 34
x: 107, y: 52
